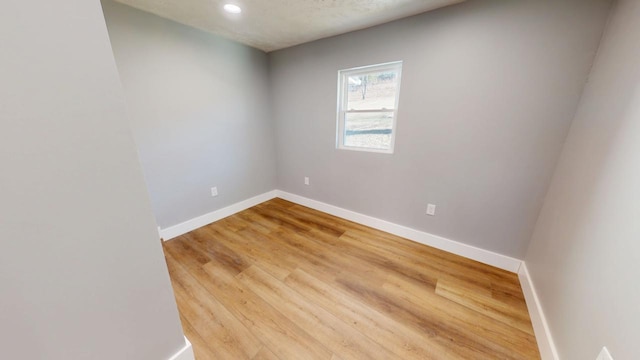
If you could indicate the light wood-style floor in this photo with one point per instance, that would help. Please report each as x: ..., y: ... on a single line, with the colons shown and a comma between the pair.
x: 282, y: 281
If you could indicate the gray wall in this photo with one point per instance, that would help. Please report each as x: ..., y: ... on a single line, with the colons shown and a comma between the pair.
x: 82, y: 275
x: 489, y: 89
x: 585, y: 252
x: 199, y: 111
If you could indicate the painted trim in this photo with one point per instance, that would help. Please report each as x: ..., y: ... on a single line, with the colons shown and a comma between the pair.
x: 484, y: 256
x: 540, y: 326
x: 206, y: 219
x: 186, y: 353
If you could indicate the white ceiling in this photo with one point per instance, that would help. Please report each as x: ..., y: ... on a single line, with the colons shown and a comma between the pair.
x: 276, y: 24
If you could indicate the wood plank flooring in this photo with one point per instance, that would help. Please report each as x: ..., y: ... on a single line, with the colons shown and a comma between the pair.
x: 282, y: 281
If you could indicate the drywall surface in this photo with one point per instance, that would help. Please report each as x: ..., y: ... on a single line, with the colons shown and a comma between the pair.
x: 199, y: 111
x: 489, y: 89
x: 584, y: 256
x: 82, y: 275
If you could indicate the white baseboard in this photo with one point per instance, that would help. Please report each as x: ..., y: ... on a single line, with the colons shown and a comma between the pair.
x: 206, y: 219
x: 186, y: 353
x: 484, y: 256
x: 468, y: 251
x: 540, y: 327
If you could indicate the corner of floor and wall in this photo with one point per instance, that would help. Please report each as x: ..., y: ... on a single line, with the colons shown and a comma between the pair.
x: 507, y: 263
x: 185, y: 353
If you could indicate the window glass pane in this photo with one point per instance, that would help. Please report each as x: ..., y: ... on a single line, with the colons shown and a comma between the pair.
x: 367, y: 106
x: 369, y: 130
x: 370, y: 91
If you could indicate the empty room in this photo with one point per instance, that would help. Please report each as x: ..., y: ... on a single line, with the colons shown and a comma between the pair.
x: 320, y: 179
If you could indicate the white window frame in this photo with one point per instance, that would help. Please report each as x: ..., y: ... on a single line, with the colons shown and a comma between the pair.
x: 343, y: 94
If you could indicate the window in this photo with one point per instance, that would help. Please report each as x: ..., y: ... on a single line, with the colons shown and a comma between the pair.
x: 367, y: 107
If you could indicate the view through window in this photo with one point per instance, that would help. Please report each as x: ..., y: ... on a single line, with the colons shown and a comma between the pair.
x: 367, y: 107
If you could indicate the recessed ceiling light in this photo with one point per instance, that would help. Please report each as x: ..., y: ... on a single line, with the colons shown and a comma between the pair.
x: 232, y: 9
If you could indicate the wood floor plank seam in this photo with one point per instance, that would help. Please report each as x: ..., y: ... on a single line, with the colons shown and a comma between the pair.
x: 280, y: 281
x: 340, y: 337
x: 399, y: 338
x: 219, y: 346
x: 235, y: 309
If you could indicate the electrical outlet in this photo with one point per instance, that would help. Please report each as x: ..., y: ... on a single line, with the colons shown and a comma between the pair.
x: 604, y: 354
x: 431, y: 209
x: 214, y: 191
x: 306, y: 180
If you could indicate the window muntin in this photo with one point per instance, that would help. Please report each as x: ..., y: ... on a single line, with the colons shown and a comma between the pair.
x: 367, y: 107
